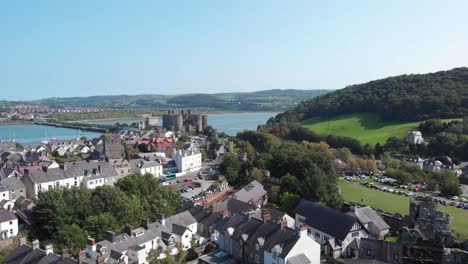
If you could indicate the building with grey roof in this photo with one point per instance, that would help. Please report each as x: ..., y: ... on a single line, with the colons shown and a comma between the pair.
x: 25, y: 254
x: 85, y: 174
x: 374, y: 224
x: 253, y: 193
x: 136, y: 243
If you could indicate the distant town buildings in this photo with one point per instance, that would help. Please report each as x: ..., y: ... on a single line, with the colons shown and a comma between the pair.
x: 185, y: 120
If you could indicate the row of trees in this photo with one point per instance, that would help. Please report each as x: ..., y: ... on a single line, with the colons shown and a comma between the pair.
x: 68, y: 216
x: 306, y: 170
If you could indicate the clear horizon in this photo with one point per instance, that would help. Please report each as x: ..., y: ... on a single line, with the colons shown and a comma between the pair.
x: 89, y: 48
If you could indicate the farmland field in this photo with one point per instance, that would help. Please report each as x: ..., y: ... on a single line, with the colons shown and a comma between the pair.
x: 367, y: 128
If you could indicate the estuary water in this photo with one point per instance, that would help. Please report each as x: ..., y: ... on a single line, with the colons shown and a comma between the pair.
x: 27, y: 134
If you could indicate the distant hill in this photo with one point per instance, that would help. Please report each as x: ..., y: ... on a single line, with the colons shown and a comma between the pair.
x: 403, y: 98
x: 253, y: 101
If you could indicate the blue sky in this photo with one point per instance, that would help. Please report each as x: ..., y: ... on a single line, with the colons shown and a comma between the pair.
x: 81, y: 48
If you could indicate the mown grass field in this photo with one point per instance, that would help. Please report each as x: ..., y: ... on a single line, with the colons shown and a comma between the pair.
x: 367, y: 128
x: 354, y: 192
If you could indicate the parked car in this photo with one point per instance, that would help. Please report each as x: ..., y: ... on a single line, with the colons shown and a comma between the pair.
x: 409, y: 194
x: 453, y: 203
x: 460, y: 205
x: 455, y: 198
x: 466, y: 206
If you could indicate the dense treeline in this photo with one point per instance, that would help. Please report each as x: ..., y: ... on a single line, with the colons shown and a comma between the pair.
x: 306, y: 170
x: 67, y: 217
x: 412, y: 97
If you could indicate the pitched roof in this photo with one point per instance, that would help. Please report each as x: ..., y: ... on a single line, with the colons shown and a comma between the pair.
x: 12, y: 183
x: 299, y: 259
x: 252, y: 192
x: 234, y: 206
x: 7, y: 215
x: 326, y: 219
x: 366, y: 215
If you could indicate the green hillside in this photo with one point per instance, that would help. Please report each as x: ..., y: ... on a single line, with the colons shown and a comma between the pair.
x: 404, y: 98
x: 367, y: 128
x: 267, y: 100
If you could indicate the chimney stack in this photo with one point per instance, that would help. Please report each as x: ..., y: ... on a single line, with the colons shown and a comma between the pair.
x: 161, y: 219
x: 44, y: 169
x: 35, y: 244
x: 22, y: 241
x: 145, y: 223
x: 303, y: 230
x: 49, y: 249
x: 64, y: 253
x: 266, y: 216
x: 110, y: 236
x: 128, y: 229
x: 90, y: 245
x: 26, y: 171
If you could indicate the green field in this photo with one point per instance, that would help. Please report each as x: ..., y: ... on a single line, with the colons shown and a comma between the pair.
x: 354, y: 192
x: 367, y: 128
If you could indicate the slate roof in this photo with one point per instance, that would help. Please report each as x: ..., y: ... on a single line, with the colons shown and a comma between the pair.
x: 233, y: 206
x: 12, y: 183
x: 26, y: 255
x: 7, y: 215
x: 252, y: 192
x: 280, y: 237
x: 178, y: 230
x: 71, y: 169
x: 366, y: 215
x: 326, y: 219
x: 299, y: 259
x: 124, y: 241
x: 247, y: 229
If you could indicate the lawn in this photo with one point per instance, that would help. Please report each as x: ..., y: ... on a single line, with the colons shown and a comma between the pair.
x: 367, y: 128
x: 354, y: 192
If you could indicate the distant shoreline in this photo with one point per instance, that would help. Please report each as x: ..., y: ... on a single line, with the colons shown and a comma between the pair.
x: 136, y: 117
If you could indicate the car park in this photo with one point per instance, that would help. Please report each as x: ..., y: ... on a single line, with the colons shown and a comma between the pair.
x: 460, y: 205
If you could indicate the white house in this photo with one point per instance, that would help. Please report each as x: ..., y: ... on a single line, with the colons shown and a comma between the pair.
x: 187, y: 161
x: 337, y: 233
x: 8, y: 224
x: 147, y: 166
x: 302, y: 249
x: 414, y: 137
x: 80, y: 174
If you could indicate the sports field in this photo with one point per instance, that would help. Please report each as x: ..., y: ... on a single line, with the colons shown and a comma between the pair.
x: 389, y: 202
x: 367, y: 128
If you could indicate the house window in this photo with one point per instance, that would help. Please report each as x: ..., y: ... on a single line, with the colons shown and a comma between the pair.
x: 57, y: 184
x: 11, y: 231
x: 4, y: 194
x: 355, y: 234
x: 326, y: 238
x: 76, y: 183
x: 309, y: 231
x: 369, y: 252
x: 396, y: 256
x: 11, y: 222
x: 317, y: 234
